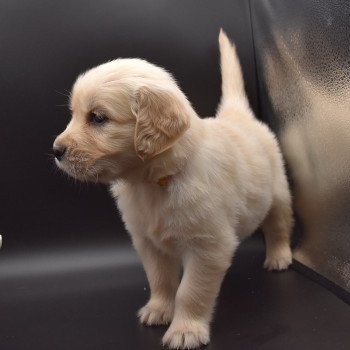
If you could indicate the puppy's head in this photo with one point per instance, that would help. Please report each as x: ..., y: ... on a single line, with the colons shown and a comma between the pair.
x: 124, y: 113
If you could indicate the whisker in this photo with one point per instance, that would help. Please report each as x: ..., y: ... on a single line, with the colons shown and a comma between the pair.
x: 63, y: 105
x: 61, y: 93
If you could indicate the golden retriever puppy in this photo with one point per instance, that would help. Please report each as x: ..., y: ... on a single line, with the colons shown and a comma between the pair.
x: 189, y: 190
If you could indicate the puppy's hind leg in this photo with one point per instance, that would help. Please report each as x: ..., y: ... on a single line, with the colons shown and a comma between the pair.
x: 277, y: 229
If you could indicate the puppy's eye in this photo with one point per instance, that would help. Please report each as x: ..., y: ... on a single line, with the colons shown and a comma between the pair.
x: 97, y: 119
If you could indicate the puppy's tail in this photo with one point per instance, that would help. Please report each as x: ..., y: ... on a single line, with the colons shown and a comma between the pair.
x: 233, y: 92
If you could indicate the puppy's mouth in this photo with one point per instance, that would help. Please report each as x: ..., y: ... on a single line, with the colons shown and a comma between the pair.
x: 81, y: 168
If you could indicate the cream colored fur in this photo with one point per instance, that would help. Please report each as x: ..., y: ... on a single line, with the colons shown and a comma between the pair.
x: 225, y: 178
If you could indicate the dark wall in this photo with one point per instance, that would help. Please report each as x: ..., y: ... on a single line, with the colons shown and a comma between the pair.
x: 44, y: 46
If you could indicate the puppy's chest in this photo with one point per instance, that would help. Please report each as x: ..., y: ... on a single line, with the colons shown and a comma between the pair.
x: 151, y: 215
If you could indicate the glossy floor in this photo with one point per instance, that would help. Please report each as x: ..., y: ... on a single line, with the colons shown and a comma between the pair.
x: 88, y: 300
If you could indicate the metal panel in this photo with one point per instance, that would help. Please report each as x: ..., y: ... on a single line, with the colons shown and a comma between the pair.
x: 303, y: 61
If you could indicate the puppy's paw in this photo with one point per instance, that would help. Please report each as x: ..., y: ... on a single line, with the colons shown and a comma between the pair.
x: 279, y: 260
x: 156, y: 312
x: 186, y: 335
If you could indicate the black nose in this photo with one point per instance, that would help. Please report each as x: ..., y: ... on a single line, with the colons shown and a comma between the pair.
x: 59, y: 151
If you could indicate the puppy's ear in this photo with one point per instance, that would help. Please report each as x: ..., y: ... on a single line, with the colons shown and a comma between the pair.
x: 161, y: 119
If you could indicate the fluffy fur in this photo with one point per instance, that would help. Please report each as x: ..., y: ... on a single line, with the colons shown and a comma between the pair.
x: 224, y: 177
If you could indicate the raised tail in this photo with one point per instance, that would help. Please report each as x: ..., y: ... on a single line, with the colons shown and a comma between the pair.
x: 233, y: 92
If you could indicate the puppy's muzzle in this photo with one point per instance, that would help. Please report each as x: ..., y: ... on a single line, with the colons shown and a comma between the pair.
x: 59, y: 151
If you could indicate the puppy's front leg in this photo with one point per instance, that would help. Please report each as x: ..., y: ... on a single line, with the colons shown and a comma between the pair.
x: 204, y: 270
x: 163, y: 274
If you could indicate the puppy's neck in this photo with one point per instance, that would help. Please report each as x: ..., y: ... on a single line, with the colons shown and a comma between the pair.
x: 163, y: 167
x: 161, y: 170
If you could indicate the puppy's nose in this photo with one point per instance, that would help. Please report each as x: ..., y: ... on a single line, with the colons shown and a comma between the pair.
x: 59, y: 151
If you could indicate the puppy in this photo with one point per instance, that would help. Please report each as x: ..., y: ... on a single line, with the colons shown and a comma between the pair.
x: 189, y: 190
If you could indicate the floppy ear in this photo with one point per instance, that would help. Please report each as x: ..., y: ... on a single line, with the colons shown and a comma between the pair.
x: 161, y: 119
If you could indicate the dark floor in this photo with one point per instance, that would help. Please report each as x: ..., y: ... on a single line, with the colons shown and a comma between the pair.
x: 88, y: 300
